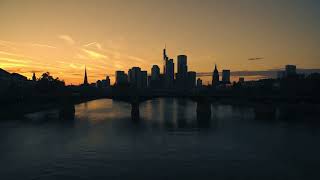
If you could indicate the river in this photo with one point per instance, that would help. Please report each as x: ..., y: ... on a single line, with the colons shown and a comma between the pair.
x: 168, y: 142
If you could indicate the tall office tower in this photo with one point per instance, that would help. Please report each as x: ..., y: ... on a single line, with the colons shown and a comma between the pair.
x: 144, y: 79
x: 149, y: 81
x: 291, y: 70
x: 165, y: 59
x: 85, y: 79
x: 182, y: 65
x: 181, y: 76
x: 191, y: 79
x: 226, y: 76
x: 169, y: 73
x: 121, y: 78
x: 155, y: 73
x: 135, y: 77
x: 215, y: 76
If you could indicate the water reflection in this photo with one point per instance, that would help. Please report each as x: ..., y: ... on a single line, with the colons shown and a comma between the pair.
x: 169, y: 140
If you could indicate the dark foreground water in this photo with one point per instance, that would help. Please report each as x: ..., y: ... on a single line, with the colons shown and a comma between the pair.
x: 167, y: 143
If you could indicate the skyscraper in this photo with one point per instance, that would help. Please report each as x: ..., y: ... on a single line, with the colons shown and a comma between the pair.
x: 85, y: 79
x: 215, y: 76
x: 169, y: 73
x: 182, y: 65
x: 182, y: 73
x: 165, y: 60
x: 144, y: 79
x: 155, y: 73
x: 191, y: 81
x: 135, y: 78
x: 226, y: 76
x: 121, y: 78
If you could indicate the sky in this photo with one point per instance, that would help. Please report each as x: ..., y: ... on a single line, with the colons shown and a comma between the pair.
x: 63, y: 37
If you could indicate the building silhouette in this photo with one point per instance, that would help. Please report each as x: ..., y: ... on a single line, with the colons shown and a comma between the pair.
x: 105, y: 83
x: 134, y: 77
x: 169, y: 74
x: 85, y: 79
x: 215, y: 76
x: 291, y: 70
x: 241, y: 79
x: 191, y: 81
x: 226, y: 76
x: 182, y: 73
x: 155, y: 73
x: 121, y: 78
x: 199, y: 83
x: 144, y: 79
x: 34, y: 78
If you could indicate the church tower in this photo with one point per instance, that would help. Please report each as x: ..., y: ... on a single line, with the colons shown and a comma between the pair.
x: 85, y: 81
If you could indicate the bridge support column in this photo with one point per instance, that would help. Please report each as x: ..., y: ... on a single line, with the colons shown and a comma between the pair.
x: 135, y: 112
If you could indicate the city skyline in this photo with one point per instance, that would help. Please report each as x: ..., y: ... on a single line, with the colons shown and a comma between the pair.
x: 240, y: 36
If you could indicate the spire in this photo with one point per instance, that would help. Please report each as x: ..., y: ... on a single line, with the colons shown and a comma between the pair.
x: 34, y: 78
x: 85, y: 81
x: 215, y: 68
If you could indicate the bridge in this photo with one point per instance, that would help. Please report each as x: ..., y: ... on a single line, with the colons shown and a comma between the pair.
x: 265, y: 105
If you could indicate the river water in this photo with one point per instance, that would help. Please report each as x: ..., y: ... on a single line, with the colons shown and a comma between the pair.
x: 168, y: 142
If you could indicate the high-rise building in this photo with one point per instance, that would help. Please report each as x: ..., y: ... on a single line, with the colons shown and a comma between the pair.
x: 121, y: 78
x: 144, y: 79
x: 165, y: 60
x: 135, y: 78
x: 291, y: 70
x: 181, y: 76
x: 226, y: 76
x: 85, y: 79
x: 215, y: 76
x: 155, y: 73
x: 182, y: 65
x: 169, y: 73
x: 191, y: 79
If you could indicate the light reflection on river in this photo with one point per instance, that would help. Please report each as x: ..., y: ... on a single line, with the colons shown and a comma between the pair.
x: 103, y: 142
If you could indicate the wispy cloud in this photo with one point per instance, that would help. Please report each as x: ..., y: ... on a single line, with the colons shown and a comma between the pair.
x: 42, y: 45
x: 94, y: 54
x: 68, y: 39
x: 255, y: 58
x: 94, y: 44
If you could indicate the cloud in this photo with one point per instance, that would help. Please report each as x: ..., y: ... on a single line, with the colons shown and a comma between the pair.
x: 95, y: 44
x: 42, y: 45
x: 94, y: 54
x: 67, y: 39
x: 255, y: 58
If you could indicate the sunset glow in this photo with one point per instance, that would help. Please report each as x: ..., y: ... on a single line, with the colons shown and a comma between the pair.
x: 63, y: 37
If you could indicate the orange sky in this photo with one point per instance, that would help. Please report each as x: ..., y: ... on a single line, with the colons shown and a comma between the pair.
x: 63, y: 36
